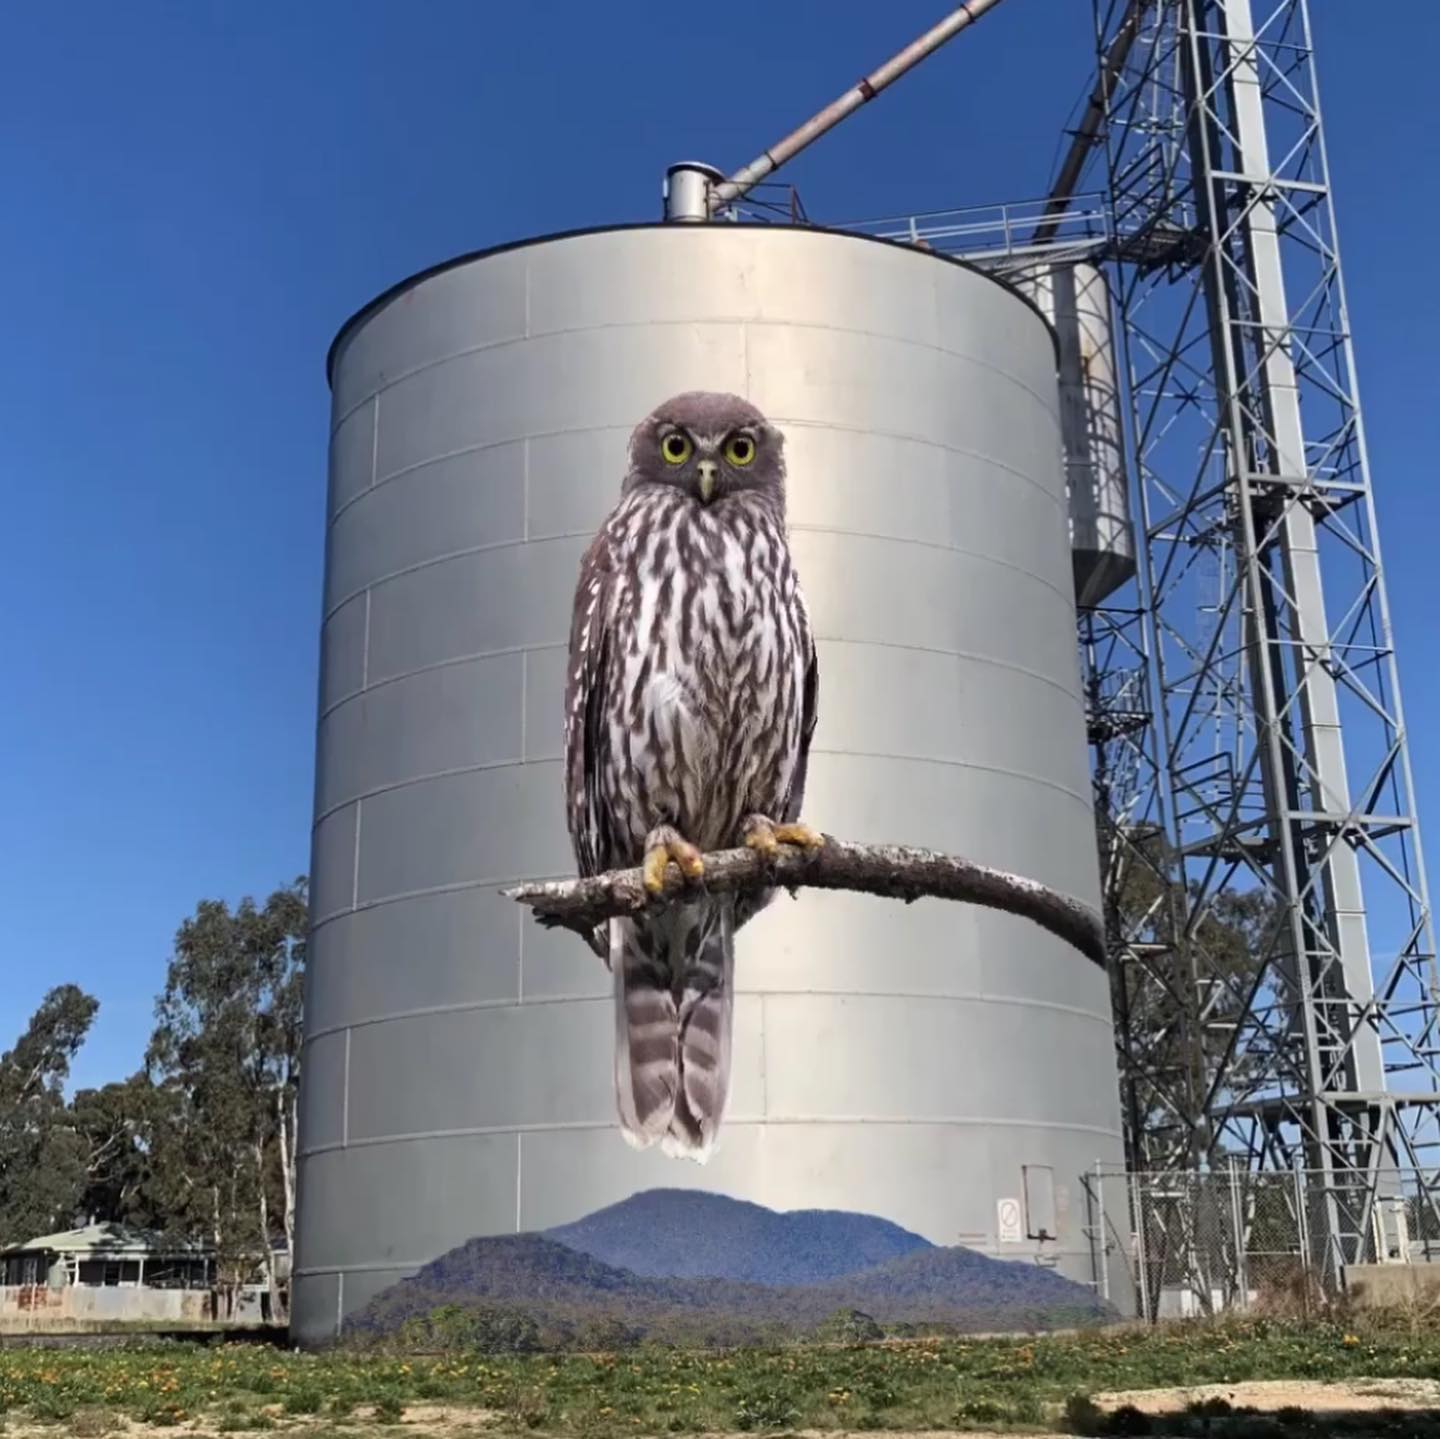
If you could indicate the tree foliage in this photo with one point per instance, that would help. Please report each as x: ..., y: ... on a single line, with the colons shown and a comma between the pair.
x: 200, y: 1142
x: 113, y: 1127
x: 40, y: 1162
x: 1182, y: 1007
x: 40, y: 1061
x: 225, y: 1054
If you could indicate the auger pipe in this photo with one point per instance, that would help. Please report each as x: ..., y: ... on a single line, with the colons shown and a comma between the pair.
x: 744, y: 180
x: 1087, y: 134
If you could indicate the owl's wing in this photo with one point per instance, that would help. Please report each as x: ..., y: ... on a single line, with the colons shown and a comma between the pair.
x: 809, y: 709
x: 750, y: 903
x: 585, y: 704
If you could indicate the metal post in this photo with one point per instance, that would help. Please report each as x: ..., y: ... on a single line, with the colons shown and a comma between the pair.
x: 1401, y: 1206
x: 1237, y: 1221
x: 1327, y: 786
x: 1302, y: 1221
x: 1137, y: 1204
x: 1099, y: 1243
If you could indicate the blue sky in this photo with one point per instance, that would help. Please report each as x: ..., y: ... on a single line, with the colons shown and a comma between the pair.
x: 198, y: 194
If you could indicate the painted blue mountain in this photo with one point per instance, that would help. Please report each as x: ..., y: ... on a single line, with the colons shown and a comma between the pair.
x: 691, y: 1234
x: 690, y: 1268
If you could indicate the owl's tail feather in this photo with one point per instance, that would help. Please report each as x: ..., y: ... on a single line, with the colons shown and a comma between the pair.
x: 647, y: 1032
x: 672, y: 1060
x: 707, y: 1001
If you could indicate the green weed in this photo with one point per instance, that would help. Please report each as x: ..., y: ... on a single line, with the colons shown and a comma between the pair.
x: 912, y: 1384
x: 388, y: 1410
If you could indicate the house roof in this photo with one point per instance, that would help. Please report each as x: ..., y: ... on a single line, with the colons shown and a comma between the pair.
x: 121, y: 1239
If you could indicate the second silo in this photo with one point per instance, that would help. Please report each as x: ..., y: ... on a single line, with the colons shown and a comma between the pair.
x: 927, y: 1063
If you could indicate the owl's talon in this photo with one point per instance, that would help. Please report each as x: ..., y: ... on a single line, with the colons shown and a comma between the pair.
x: 765, y: 837
x: 688, y: 857
x: 655, y: 862
x: 760, y: 835
x: 660, y: 850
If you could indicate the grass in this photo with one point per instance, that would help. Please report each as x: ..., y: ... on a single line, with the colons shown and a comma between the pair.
x: 921, y: 1384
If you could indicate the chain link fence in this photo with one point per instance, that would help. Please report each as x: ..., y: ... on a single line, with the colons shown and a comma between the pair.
x: 1235, y: 1239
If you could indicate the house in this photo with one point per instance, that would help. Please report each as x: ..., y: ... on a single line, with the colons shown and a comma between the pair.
x: 106, y: 1256
x: 103, y: 1273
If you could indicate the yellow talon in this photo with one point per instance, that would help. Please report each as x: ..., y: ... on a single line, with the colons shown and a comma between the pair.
x: 766, y: 838
x: 691, y: 863
x: 685, y: 855
x: 655, y: 862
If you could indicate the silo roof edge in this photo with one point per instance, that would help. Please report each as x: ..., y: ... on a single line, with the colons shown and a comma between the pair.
x: 386, y: 297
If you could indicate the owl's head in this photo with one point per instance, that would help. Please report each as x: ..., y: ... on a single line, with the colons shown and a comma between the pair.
x: 710, y: 446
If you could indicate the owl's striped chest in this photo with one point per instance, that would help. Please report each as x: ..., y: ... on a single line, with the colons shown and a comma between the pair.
x: 697, y: 604
x: 706, y: 672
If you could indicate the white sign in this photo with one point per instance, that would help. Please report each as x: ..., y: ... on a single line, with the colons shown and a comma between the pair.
x: 1011, y: 1229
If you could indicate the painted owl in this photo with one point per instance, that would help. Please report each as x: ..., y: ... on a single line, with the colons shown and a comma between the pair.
x: 690, y: 704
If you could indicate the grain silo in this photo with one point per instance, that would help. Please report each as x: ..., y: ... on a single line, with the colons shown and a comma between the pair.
x: 1076, y: 300
x: 927, y: 1063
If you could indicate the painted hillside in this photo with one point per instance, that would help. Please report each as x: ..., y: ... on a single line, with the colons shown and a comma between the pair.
x: 689, y: 1234
x: 542, y: 1291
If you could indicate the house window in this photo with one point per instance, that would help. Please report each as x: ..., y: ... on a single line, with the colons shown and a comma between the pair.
x: 30, y: 1271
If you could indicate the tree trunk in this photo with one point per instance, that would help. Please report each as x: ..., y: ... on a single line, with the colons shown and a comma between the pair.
x: 223, y: 1295
x: 286, y: 1115
x: 270, y: 1278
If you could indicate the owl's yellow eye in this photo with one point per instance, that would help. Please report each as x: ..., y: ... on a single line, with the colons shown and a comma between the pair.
x: 675, y: 448
x: 740, y: 450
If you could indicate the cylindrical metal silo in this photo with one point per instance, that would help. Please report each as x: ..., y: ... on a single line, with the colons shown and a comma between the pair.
x: 1075, y: 298
x: 920, y: 1062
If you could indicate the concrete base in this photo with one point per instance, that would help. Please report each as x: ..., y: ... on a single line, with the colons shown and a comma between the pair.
x: 36, y: 1308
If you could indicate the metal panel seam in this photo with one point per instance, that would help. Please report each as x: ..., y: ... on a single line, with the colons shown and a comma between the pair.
x: 455, y: 887
x: 818, y: 1121
x: 726, y: 321
x: 971, y: 656
x: 938, y: 997
x: 430, y: 777
x: 319, y: 1271
x: 375, y: 582
x: 782, y: 421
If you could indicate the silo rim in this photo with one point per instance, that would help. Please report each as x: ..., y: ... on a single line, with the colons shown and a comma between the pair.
x: 367, y: 311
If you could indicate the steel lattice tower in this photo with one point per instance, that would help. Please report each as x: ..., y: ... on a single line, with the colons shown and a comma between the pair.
x: 1273, y: 949
x: 1267, y: 774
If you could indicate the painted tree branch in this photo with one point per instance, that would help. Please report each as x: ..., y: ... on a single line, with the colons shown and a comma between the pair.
x: 891, y: 871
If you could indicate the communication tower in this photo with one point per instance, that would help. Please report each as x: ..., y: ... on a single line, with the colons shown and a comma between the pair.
x: 1278, y: 745
x: 1273, y: 944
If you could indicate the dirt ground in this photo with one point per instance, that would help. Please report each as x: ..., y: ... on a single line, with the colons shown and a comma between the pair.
x: 441, y: 1421
x: 1267, y: 1395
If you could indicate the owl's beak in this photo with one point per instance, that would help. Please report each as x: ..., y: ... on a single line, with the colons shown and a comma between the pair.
x: 708, y: 473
